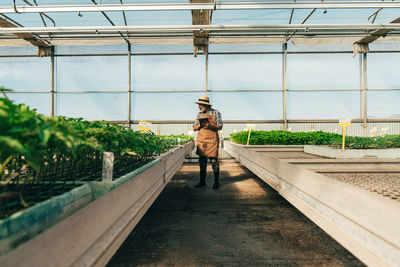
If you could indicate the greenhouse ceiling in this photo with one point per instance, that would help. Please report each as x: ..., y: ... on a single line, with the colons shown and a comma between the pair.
x: 45, y: 23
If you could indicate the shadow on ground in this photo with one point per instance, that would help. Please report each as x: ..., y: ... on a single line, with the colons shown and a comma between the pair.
x: 245, y: 222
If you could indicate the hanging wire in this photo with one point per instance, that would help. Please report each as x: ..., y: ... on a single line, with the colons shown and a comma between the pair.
x: 15, y: 7
x: 111, y: 22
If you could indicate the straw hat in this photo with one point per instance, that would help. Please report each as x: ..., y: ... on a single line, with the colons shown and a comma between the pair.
x: 204, y: 100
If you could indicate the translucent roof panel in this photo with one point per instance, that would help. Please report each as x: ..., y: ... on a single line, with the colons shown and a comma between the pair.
x: 256, y: 16
x: 162, y: 48
x: 386, y: 15
x: 332, y: 16
x: 384, y: 46
x: 251, y: 16
x: 28, y: 19
x: 348, y: 16
x: 226, y: 48
x: 86, y: 19
x: 85, y: 2
x: 18, y: 50
x: 64, y: 19
x: 245, y: 72
x: 133, y: 18
x: 92, y: 49
x: 246, y: 14
x: 161, y: 73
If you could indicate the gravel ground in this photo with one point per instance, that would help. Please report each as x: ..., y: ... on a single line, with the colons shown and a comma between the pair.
x: 387, y: 185
x: 243, y: 223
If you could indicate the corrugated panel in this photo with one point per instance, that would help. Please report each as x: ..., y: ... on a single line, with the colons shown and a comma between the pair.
x: 393, y: 128
x: 355, y: 129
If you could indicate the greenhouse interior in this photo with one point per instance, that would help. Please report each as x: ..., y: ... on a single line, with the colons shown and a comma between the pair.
x: 199, y: 133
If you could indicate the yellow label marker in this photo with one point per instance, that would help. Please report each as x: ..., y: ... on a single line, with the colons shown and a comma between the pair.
x: 344, y: 123
x: 250, y: 127
x: 144, y: 126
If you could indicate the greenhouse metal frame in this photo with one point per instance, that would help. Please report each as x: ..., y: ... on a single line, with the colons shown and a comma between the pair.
x: 202, y: 33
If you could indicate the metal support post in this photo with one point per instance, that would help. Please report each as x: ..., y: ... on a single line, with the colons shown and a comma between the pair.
x: 360, y: 60
x: 129, y: 84
x: 207, y: 74
x: 284, y: 85
x: 52, y: 80
x: 364, y: 94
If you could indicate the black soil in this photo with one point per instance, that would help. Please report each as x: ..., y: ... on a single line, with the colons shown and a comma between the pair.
x: 244, y: 223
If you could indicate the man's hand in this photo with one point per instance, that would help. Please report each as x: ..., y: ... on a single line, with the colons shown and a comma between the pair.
x: 212, y: 126
x: 206, y: 125
x: 196, y: 127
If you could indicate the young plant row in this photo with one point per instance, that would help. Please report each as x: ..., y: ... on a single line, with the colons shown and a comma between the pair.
x: 315, y: 138
x: 36, y: 149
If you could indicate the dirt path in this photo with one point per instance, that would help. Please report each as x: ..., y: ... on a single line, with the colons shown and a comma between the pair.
x: 244, y: 223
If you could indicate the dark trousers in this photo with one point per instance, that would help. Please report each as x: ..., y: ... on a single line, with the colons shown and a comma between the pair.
x: 203, y: 168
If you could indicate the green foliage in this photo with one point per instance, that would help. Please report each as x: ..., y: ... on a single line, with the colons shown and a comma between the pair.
x: 379, y: 142
x: 2, y: 89
x: 44, y: 156
x: 35, y: 145
x: 27, y: 134
x: 315, y: 138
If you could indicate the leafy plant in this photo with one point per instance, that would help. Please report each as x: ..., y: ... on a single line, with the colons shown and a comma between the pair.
x: 315, y: 138
x: 58, y: 151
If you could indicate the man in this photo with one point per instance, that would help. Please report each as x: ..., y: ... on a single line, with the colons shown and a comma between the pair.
x: 208, y: 122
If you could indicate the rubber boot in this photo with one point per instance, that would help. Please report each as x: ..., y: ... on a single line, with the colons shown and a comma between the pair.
x: 202, y: 179
x: 215, y: 166
x: 216, y: 180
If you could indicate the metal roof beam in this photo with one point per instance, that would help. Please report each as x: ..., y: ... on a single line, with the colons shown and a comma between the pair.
x: 124, y: 16
x: 196, y: 6
x: 111, y: 22
x: 304, y: 21
x: 291, y: 14
x: 190, y: 28
x: 200, y: 38
x: 375, y: 14
x: 361, y: 46
x: 34, y: 39
x: 378, y: 33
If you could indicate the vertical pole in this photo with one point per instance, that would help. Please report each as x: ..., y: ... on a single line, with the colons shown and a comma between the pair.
x: 52, y: 81
x: 129, y: 85
x: 207, y: 74
x: 344, y: 137
x: 361, y: 84
x: 248, y: 138
x: 364, y: 94
x: 284, y: 85
x: 108, y: 167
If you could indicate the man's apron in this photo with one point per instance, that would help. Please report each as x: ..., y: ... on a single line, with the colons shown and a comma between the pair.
x: 207, y: 140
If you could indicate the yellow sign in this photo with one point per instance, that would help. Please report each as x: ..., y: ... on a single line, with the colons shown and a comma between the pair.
x: 344, y: 123
x: 144, y: 126
x: 250, y: 127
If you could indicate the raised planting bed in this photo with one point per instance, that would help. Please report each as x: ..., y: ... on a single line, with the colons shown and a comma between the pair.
x: 363, y: 222
x: 42, y: 157
x: 326, y: 151
x: 315, y: 138
x: 89, y: 222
